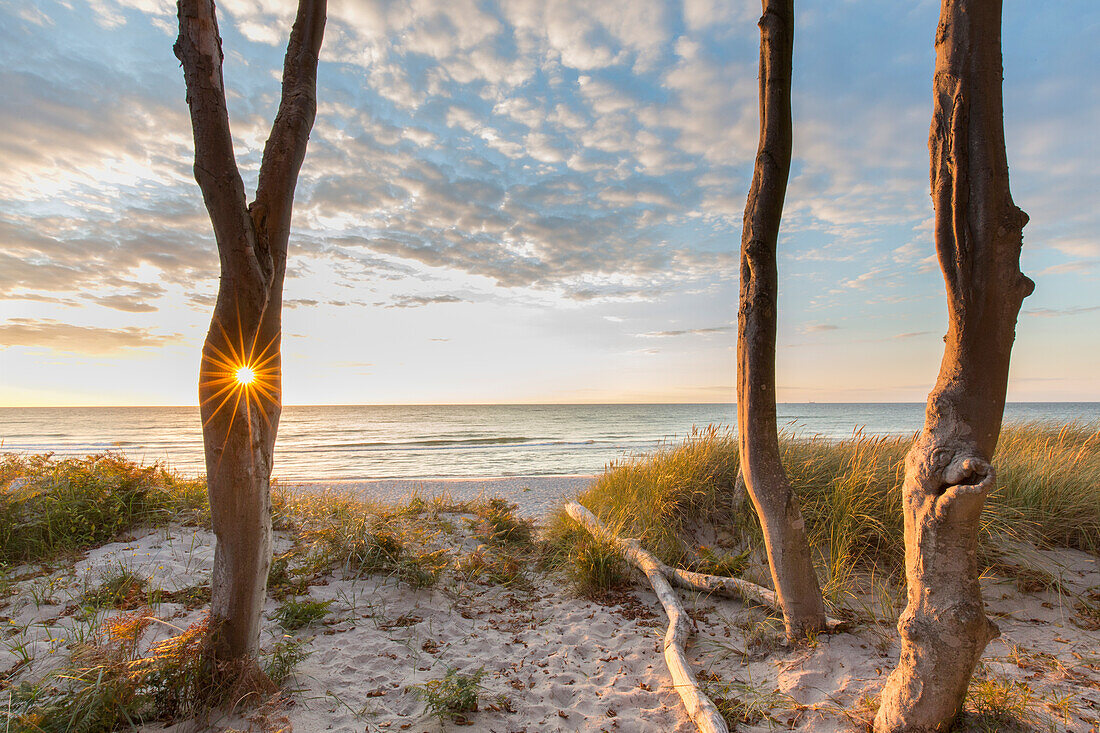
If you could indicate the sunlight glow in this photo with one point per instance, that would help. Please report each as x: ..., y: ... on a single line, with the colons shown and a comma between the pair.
x: 240, y: 376
x: 245, y: 375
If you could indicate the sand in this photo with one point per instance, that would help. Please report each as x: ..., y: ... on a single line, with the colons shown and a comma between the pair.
x: 552, y: 661
x: 536, y: 496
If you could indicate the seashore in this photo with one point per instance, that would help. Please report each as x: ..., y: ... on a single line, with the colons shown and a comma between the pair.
x: 535, y: 496
x: 537, y: 654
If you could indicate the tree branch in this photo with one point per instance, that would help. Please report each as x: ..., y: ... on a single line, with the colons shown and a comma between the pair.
x: 199, y: 49
x: 286, y: 147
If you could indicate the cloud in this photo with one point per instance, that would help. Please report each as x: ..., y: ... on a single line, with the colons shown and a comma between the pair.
x: 136, y: 301
x: 818, y: 328
x: 51, y: 334
x: 418, y: 301
x: 687, y: 332
x: 1085, y: 248
x: 912, y: 334
x: 1058, y: 312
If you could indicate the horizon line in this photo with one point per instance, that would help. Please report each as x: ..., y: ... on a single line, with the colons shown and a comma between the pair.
x: 532, y: 404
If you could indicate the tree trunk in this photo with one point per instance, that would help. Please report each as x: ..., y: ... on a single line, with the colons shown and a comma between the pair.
x: 784, y: 530
x: 948, y: 474
x: 241, y: 418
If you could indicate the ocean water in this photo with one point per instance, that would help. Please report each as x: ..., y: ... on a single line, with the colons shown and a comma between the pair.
x: 328, y: 443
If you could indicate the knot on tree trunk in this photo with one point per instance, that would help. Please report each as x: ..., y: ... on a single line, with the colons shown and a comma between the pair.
x: 964, y: 483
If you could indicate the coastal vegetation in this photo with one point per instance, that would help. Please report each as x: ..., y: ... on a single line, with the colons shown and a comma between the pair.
x: 50, y: 506
x: 677, y: 500
x: 683, y: 502
x: 118, y: 673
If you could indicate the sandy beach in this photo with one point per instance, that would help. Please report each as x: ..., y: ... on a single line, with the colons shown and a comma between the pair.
x: 535, y: 496
x: 547, y: 659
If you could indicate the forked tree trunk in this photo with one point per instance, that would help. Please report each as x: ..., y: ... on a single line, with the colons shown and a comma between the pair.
x: 947, y: 472
x: 758, y: 440
x: 240, y: 420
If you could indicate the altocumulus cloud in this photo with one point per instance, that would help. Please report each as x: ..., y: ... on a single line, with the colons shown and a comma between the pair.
x: 596, y: 151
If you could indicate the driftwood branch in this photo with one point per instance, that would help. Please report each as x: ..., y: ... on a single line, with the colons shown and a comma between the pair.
x: 699, y: 707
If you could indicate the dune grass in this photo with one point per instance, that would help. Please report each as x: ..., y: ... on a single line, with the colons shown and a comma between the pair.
x: 51, y: 506
x: 51, y: 509
x: 1048, y: 494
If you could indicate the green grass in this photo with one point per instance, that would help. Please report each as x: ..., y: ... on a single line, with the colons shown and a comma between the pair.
x: 293, y: 614
x: 285, y: 656
x: 51, y: 506
x: 500, y: 526
x: 1048, y: 493
x: 997, y: 705
x: 120, y: 588
x: 453, y: 696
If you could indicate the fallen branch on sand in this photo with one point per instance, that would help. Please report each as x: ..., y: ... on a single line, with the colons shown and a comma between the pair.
x: 699, y: 707
x: 735, y: 587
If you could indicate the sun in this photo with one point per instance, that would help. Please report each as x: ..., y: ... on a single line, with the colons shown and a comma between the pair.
x: 245, y: 375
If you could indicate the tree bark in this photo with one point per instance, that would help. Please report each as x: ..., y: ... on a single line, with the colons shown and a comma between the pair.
x: 948, y: 475
x: 240, y: 420
x: 758, y: 440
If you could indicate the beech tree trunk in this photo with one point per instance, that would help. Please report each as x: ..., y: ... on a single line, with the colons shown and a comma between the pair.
x: 758, y: 440
x: 240, y: 420
x: 948, y: 474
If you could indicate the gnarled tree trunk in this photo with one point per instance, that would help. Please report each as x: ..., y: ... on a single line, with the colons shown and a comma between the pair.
x: 947, y: 472
x: 240, y: 389
x: 784, y: 530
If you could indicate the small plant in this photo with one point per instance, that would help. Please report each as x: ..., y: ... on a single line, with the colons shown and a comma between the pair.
x: 282, y: 581
x: 190, y: 597
x: 999, y: 705
x: 500, y: 525
x: 741, y: 703
x: 487, y: 567
x: 453, y: 696
x: 120, y: 588
x: 423, y: 570
x: 293, y: 614
x: 595, y: 567
x: 715, y: 562
x: 374, y: 551
x: 285, y: 656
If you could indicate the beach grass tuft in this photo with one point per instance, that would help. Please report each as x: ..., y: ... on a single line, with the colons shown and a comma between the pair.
x: 683, y: 501
x: 453, y: 696
x: 51, y: 506
x: 110, y: 686
x: 293, y: 614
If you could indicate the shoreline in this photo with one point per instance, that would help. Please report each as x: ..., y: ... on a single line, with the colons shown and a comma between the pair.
x: 536, y: 496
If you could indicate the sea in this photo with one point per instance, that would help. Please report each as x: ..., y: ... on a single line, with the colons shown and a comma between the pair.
x: 363, y: 442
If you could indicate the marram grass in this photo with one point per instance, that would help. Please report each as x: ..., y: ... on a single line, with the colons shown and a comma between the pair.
x: 1048, y: 493
x: 51, y: 506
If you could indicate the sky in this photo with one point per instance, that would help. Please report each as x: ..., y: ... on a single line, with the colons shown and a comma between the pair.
x: 529, y: 201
